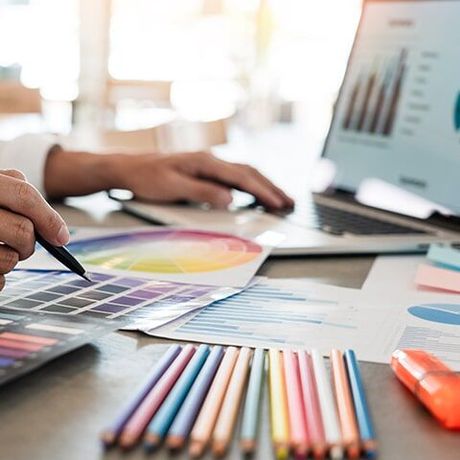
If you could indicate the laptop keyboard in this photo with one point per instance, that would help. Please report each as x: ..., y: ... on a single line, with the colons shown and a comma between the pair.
x: 337, y: 221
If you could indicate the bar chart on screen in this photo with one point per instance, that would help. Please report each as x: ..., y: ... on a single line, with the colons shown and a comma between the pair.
x: 375, y: 95
x: 457, y: 113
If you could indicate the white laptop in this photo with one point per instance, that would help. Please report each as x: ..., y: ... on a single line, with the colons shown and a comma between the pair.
x: 392, y: 151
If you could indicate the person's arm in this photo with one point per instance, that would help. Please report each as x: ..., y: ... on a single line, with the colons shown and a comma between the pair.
x: 197, y: 177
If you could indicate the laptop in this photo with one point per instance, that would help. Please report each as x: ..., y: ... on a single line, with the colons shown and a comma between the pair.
x: 391, y: 160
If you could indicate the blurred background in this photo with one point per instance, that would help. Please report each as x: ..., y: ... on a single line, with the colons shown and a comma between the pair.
x: 172, y: 75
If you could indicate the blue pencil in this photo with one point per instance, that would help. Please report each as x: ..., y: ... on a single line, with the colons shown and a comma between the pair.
x: 366, y: 429
x: 188, y: 413
x: 251, y: 411
x: 162, y: 420
x: 110, y: 435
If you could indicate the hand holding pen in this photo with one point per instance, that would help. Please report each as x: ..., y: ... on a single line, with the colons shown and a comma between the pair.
x: 23, y: 213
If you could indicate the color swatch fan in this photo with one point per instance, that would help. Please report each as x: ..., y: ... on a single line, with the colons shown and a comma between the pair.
x: 176, y: 255
x: 29, y: 340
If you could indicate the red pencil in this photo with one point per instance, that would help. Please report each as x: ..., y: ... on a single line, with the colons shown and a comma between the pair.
x: 147, y: 409
x: 298, y: 433
x: 311, y: 403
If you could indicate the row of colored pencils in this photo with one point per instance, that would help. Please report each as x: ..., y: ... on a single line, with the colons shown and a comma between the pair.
x: 194, y: 395
x: 312, y: 413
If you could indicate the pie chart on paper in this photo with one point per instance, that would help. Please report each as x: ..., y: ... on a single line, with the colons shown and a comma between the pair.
x: 174, y: 254
x: 437, y: 313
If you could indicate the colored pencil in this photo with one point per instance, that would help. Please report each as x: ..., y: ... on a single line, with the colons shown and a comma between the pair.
x: 251, y: 412
x: 226, y: 420
x: 110, y: 435
x: 180, y: 429
x: 366, y: 428
x: 202, y: 430
x: 278, y: 406
x: 346, y: 410
x: 162, y: 420
x: 327, y: 405
x: 297, y: 423
x: 147, y: 409
x: 311, y: 405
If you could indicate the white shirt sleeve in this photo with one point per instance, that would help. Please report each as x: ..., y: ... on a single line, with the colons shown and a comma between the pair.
x: 28, y: 153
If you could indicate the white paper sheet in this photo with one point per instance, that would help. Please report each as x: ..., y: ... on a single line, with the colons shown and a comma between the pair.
x: 394, y: 274
x: 289, y: 313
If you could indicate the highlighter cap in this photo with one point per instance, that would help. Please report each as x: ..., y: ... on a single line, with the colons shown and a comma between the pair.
x: 436, y: 385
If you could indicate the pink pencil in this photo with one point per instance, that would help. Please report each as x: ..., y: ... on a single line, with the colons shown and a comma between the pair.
x: 147, y: 409
x: 311, y: 404
x: 297, y: 422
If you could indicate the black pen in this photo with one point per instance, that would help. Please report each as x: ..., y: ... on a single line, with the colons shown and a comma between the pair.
x: 64, y: 256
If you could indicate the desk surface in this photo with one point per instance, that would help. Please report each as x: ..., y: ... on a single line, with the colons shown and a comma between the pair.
x: 58, y: 411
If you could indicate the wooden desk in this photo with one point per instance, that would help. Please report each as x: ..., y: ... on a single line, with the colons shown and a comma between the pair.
x: 57, y: 412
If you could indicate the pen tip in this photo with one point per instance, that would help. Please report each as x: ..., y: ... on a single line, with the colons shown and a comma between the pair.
x: 87, y: 277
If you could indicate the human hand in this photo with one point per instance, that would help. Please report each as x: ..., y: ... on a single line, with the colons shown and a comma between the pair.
x: 197, y: 177
x: 23, y: 211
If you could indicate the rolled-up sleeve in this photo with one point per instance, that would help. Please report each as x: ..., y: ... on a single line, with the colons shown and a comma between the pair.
x: 28, y: 153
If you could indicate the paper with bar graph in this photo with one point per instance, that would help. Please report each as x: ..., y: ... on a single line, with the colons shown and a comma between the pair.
x: 297, y: 314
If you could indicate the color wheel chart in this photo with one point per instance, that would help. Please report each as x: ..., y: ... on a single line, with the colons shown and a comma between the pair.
x: 176, y: 255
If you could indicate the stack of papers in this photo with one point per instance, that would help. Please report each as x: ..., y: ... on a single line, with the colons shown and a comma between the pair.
x: 190, y: 285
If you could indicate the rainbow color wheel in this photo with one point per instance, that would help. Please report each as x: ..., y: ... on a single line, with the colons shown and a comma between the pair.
x: 167, y: 251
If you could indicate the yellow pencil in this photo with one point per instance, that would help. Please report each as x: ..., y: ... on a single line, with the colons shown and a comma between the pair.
x: 229, y: 411
x: 278, y: 406
x: 204, y: 424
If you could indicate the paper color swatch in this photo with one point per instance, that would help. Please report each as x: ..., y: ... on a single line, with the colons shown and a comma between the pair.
x: 439, y: 278
x: 29, y: 340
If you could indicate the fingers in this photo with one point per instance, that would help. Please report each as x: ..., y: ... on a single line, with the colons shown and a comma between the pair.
x: 17, y: 232
x: 8, y: 259
x: 13, y: 173
x: 287, y: 200
x: 22, y: 198
x: 244, y: 178
x: 202, y: 191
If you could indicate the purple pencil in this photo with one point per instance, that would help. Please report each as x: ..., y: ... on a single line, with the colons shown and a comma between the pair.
x: 110, y: 435
x: 182, y: 425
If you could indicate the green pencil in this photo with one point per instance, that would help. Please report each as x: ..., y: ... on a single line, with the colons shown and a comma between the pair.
x: 250, y: 421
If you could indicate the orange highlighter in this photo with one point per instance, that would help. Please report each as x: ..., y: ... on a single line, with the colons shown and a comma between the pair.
x: 432, y: 382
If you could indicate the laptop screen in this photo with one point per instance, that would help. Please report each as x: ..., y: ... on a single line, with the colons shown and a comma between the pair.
x: 397, y: 117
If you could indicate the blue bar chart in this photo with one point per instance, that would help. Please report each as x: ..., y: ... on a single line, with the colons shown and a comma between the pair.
x: 457, y: 113
x: 375, y: 95
x: 265, y: 315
